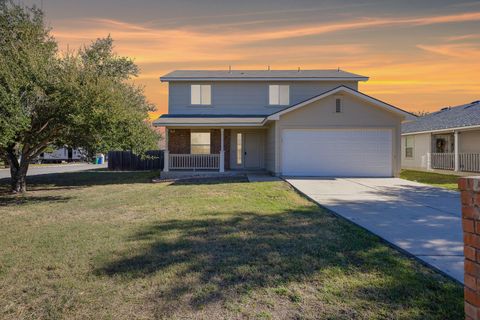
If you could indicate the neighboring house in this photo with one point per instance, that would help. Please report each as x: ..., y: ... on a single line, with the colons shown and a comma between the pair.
x: 287, y: 122
x: 448, y: 139
x: 62, y: 155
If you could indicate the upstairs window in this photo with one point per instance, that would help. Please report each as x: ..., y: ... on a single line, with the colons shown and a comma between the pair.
x: 279, y: 94
x: 201, y: 94
x: 409, y: 142
x: 200, y: 143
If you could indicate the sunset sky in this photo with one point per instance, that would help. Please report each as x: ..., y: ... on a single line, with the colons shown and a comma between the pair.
x: 419, y: 55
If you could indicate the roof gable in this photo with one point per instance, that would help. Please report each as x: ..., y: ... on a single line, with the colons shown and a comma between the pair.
x: 344, y: 89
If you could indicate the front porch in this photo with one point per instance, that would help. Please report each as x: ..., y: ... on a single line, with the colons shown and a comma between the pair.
x: 214, y: 149
x: 457, y: 151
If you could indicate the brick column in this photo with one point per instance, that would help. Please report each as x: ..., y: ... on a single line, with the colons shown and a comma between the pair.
x: 470, y: 196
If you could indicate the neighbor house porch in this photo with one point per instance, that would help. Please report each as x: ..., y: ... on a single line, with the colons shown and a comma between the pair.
x: 457, y: 151
x: 215, y: 149
x: 451, y: 150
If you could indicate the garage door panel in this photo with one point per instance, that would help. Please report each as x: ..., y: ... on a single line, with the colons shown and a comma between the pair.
x: 356, y: 153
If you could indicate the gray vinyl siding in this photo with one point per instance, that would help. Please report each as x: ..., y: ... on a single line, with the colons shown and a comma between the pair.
x: 245, y: 97
x: 469, y: 142
x: 270, y: 148
x: 421, y: 146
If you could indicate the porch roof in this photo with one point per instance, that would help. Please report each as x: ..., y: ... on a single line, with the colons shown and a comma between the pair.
x: 209, y: 120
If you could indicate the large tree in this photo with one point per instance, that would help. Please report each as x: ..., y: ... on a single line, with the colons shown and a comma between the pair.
x: 83, y: 99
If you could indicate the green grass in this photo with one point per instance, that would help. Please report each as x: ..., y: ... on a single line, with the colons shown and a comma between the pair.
x: 448, y: 181
x: 103, y: 245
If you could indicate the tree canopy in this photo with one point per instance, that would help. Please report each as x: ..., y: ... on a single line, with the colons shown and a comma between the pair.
x: 80, y: 99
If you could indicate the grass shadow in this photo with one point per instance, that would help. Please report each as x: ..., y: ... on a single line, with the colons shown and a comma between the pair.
x: 16, y: 200
x: 79, y: 179
x: 215, y: 261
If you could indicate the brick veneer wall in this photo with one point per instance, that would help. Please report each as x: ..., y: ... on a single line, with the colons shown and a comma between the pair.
x: 470, y: 196
x: 179, y: 142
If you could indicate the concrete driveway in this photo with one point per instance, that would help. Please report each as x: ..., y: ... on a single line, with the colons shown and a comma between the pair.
x: 422, y: 220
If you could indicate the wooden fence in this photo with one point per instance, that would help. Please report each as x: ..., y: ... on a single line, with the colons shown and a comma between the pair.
x: 128, y: 161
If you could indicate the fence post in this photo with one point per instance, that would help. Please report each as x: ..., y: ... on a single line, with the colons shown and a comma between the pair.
x: 470, y: 197
x: 429, y: 161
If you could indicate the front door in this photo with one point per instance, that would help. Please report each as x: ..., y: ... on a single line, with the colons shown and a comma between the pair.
x: 252, y: 151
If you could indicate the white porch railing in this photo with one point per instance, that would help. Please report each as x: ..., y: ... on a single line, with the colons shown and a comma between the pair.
x: 194, y: 161
x: 470, y: 162
x: 444, y: 161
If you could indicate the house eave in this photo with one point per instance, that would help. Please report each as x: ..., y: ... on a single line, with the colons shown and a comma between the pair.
x: 171, y: 79
x: 212, y: 122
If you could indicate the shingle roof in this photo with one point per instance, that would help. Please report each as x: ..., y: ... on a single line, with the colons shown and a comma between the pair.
x: 330, y: 74
x: 451, y: 117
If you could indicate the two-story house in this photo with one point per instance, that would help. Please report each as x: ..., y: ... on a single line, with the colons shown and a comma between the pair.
x: 287, y: 122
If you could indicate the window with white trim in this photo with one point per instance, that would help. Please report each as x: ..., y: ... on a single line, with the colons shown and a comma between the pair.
x: 199, y: 142
x: 409, y: 145
x: 201, y: 94
x: 279, y: 95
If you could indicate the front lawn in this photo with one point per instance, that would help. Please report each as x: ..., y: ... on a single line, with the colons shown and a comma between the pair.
x: 103, y: 245
x: 448, y: 181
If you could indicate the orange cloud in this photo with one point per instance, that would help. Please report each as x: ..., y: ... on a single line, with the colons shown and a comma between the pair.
x: 464, y: 51
x: 131, y: 31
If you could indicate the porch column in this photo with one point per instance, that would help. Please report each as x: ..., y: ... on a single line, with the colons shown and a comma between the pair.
x: 222, y: 151
x: 165, y: 153
x: 457, y: 156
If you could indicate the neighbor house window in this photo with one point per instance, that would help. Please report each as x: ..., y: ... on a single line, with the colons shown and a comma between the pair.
x: 200, y: 143
x: 201, y: 94
x: 409, y: 141
x: 279, y: 94
x: 338, y: 105
x: 239, y: 149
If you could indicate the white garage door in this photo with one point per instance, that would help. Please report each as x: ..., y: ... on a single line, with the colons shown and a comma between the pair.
x: 337, y: 153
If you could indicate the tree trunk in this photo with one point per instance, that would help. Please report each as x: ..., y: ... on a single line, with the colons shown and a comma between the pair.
x: 19, y: 178
x: 18, y: 173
